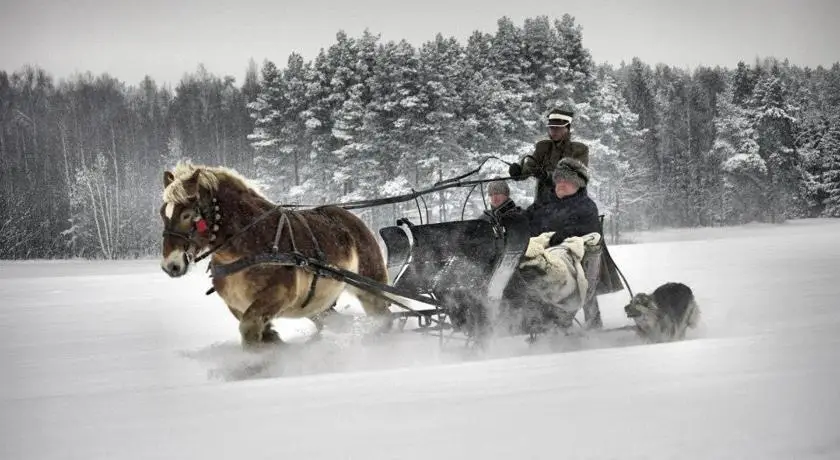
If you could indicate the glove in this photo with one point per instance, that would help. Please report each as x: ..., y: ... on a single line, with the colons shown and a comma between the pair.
x: 515, y: 171
x: 557, y: 238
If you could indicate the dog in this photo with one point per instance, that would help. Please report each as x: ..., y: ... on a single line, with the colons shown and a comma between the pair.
x: 665, y: 315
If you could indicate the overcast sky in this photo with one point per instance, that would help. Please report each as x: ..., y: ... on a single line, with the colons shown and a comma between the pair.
x: 165, y: 39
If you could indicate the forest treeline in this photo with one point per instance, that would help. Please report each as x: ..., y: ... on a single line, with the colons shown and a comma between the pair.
x: 81, y: 159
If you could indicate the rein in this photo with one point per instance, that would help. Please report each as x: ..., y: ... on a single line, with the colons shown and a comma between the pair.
x: 348, y: 205
x: 361, y: 204
x: 438, y: 186
x: 240, y: 232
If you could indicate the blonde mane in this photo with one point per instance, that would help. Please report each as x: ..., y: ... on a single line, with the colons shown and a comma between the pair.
x: 209, y: 177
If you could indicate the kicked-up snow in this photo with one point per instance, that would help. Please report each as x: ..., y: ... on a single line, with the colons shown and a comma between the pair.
x: 114, y: 360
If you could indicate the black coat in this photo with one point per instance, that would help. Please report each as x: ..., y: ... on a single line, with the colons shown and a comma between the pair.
x: 507, y: 208
x: 575, y: 215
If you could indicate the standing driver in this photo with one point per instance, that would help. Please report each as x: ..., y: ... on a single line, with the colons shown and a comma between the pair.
x: 548, y: 152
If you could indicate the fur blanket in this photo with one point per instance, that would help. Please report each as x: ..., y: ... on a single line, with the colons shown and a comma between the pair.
x: 561, y: 268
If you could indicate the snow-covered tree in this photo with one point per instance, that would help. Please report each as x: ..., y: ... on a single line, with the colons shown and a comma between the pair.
x: 440, y: 156
x: 740, y: 196
x: 610, y: 129
x: 577, y: 57
x: 831, y: 179
x: 775, y: 125
x: 265, y: 109
x: 95, y: 219
x: 546, y: 72
x: 16, y: 240
x: 355, y: 152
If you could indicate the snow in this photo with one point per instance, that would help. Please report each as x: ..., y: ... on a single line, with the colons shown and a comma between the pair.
x: 115, y: 360
x: 745, y: 163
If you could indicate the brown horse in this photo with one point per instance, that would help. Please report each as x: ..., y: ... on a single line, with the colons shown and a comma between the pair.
x: 212, y: 206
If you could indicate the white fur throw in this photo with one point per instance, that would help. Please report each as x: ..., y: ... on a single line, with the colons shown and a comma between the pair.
x: 562, y: 265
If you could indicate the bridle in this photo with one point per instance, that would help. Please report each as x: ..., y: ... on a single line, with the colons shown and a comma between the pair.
x: 199, y: 227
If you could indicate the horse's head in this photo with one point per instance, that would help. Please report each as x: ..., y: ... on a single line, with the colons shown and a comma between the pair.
x: 190, y: 216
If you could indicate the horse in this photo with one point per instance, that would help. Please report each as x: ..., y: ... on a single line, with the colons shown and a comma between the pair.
x: 214, y: 208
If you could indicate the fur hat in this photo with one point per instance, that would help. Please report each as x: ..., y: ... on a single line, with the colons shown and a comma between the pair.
x: 571, y: 170
x: 560, y: 117
x: 500, y: 187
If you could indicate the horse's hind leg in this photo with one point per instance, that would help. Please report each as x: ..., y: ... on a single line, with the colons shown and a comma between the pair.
x: 372, y: 265
x: 375, y: 307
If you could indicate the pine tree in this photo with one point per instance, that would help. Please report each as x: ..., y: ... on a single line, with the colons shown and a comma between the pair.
x: 318, y: 118
x: 291, y: 146
x: 706, y: 86
x: 441, y: 62
x: 743, y: 84
x: 546, y: 72
x: 396, y: 108
x: 577, y: 57
x: 775, y: 127
x: 266, y: 111
x: 640, y: 93
x: 358, y: 159
x: 610, y: 129
x: 675, y: 147
x: 831, y: 178
x: 740, y: 195
x: 506, y: 54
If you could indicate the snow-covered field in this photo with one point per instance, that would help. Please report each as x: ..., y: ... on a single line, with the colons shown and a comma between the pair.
x: 117, y: 361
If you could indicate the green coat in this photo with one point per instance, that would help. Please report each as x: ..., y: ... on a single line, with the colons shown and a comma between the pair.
x: 541, y: 163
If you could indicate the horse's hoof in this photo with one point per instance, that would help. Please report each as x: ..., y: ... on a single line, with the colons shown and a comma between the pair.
x: 270, y: 336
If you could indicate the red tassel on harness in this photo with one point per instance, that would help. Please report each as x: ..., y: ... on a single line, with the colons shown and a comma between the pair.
x: 201, y: 226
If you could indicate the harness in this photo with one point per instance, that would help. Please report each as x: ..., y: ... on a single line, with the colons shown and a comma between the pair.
x: 293, y: 258
x: 318, y: 265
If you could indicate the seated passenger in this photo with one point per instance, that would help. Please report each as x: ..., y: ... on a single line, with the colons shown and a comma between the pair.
x: 501, y: 204
x: 570, y: 212
x: 561, y: 231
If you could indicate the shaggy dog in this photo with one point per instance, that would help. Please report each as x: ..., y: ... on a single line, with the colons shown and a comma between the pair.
x: 665, y: 315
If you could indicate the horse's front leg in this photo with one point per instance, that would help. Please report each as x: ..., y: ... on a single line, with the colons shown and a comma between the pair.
x: 255, y: 324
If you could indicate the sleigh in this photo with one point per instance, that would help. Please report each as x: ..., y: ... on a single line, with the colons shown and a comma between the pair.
x: 469, y: 271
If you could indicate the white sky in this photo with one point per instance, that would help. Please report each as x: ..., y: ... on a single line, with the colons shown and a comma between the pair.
x: 165, y: 39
